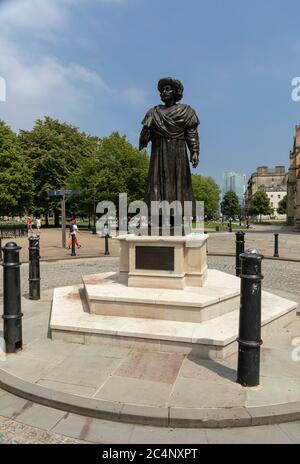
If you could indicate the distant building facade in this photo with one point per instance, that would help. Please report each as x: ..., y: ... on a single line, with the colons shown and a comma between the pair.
x: 293, y: 188
x: 236, y: 182
x: 265, y: 179
x: 275, y: 195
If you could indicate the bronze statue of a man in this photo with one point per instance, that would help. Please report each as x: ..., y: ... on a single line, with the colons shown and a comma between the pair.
x: 170, y: 127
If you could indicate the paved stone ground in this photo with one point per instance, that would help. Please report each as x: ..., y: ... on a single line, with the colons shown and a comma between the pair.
x: 13, y: 432
x: 261, y: 237
x: 278, y: 275
x: 281, y: 276
x: 86, y: 430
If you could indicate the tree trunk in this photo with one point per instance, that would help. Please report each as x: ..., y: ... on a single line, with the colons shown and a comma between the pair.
x: 56, y: 219
x: 46, y: 219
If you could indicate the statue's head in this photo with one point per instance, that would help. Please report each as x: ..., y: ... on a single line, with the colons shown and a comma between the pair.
x: 170, y: 89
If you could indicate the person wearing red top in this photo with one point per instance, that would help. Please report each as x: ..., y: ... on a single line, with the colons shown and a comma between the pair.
x: 29, y: 224
x: 73, y: 231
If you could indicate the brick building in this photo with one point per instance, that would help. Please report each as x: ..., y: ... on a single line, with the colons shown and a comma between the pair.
x: 293, y: 186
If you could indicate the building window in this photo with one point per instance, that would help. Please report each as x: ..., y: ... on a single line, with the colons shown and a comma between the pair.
x: 279, y: 196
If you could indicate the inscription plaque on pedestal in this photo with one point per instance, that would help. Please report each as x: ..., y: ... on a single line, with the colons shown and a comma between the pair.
x: 154, y: 258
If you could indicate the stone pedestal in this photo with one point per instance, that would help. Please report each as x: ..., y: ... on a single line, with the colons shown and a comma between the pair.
x: 163, y: 299
x: 163, y: 262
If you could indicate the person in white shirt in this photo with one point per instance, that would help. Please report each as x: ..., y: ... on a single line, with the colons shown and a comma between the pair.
x: 38, y: 224
x: 73, y: 231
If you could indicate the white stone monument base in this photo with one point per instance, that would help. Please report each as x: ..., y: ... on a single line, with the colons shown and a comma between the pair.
x: 163, y: 262
x: 202, y: 321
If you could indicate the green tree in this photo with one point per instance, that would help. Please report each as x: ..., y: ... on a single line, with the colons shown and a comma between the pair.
x: 230, y: 205
x: 15, y: 175
x: 207, y: 190
x: 114, y: 167
x: 54, y: 150
x: 260, y: 204
x: 282, y: 207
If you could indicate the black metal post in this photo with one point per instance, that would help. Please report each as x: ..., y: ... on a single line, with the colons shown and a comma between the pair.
x: 0, y: 248
x: 94, y: 226
x: 276, y: 250
x: 73, y: 245
x: 34, y: 268
x: 250, y: 320
x: 230, y: 225
x: 106, y: 245
x: 12, y: 314
x: 240, y: 248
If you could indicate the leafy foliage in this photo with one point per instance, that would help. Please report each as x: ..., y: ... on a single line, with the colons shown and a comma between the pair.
x: 282, y: 207
x: 113, y: 168
x: 15, y: 175
x: 54, y: 151
x: 230, y: 205
x: 207, y: 190
x: 260, y: 204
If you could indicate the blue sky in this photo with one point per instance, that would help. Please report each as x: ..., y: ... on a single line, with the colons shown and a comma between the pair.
x: 96, y: 63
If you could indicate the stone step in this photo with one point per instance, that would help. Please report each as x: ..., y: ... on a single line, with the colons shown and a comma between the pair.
x: 216, y: 338
x: 107, y: 297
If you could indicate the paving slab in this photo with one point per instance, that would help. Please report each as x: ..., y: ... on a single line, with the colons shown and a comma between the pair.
x: 191, y: 393
x: 255, y: 436
x: 86, y: 368
x: 292, y: 430
x: 135, y: 391
x: 44, y: 350
x: 10, y: 406
x: 73, y: 389
x: 93, y: 430
x: 156, y: 367
x: 282, y: 364
x: 206, y: 369
x: 31, y: 369
x: 153, y: 435
x: 38, y: 416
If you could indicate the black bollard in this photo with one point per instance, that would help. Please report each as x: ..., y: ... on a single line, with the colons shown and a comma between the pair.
x: 276, y: 249
x: 250, y: 320
x: 73, y: 245
x: 34, y: 268
x: 106, y: 245
x: 240, y: 248
x: 12, y: 315
x: 230, y: 225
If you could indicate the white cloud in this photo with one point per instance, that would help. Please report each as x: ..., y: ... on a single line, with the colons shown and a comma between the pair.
x: 38, y: 83
x: 135, y: 96
x: 33, y: 17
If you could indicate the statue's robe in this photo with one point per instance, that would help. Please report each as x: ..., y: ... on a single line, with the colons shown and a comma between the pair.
x: 170, y: 130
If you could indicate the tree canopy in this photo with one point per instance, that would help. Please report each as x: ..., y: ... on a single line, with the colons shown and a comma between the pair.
x: 230, y: 205
x: 260, y: 204
x: 207, y: 190
x: 16, y: 187
x: 114, y: 167
x: 282, y: 207
x: 54, y: 151
x: 55, y: 155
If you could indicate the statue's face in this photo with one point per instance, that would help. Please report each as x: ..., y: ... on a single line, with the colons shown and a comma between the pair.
x: 167, y: 94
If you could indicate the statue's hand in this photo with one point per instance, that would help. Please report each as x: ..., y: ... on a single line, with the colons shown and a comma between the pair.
x: 195, y: 160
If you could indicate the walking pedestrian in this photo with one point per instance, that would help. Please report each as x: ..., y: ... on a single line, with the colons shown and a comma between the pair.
x: 29, y: 224
x: 38, y: 223
x: 73, y: 231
